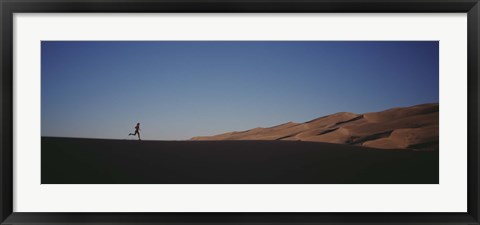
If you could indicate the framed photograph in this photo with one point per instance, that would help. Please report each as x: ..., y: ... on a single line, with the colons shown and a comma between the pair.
x: 239, y: 112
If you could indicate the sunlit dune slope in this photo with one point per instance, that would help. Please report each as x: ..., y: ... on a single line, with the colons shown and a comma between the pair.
x: 414, y: 127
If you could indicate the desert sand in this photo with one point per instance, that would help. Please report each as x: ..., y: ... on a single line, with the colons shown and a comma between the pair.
x: 102, y: 161
x: 414, y: 127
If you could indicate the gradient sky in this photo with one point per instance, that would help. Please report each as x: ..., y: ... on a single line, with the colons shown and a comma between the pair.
x: 181, y: 89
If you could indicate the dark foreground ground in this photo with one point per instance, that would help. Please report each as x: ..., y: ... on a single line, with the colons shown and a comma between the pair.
x: 99, y: 161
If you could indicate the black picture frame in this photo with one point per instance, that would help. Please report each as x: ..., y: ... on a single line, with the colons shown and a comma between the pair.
x: 9, y: 7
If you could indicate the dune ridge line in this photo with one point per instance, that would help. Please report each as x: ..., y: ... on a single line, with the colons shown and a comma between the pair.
x: 415, y: 127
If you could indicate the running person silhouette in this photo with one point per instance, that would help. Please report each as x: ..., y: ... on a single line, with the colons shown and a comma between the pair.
x: 137, y: 131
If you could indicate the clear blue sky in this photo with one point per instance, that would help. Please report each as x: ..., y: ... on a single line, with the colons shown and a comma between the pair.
x: 177, y: 90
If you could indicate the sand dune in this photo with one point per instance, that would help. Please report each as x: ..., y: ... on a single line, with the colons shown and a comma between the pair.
x: 102, y: 161
x: 414, y: 127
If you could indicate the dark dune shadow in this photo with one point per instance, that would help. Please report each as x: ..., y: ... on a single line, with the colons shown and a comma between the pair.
x: 100, y: 161
x: 348, y: 121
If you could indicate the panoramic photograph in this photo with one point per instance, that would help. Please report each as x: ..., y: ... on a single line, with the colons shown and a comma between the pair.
x: 240, y: 112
